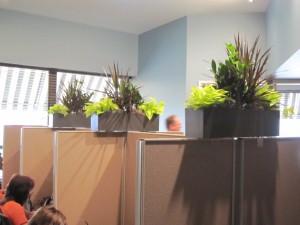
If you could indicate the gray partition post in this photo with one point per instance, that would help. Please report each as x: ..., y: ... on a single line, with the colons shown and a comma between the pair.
x: 138, y: 196
x: 238, y: 149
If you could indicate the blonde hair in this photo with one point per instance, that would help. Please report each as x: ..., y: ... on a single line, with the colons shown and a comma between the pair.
x: 48, y: 216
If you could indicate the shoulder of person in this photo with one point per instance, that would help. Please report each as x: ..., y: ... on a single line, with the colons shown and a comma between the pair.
x: 11, y: 203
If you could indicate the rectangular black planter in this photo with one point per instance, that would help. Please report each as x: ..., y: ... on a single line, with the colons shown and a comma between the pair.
x: 70, y: 120
x: 124, y: 121
x: 229, y: 122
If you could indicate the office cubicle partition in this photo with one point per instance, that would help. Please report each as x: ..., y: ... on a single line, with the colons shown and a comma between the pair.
x: 88, y: 176
x: 11, y: 151
x: 243, y: 181
x: 36, y: 160
x: 131, y: 168
x: 271, y: 179
x: 95, y: 175
x: 185, y: 182
x: 139, y: 178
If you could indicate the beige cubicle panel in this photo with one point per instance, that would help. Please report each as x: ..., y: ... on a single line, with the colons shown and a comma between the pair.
x: 36, y: 160
x: 131, y: 167
x: 88, y: 176
x: 11, y: 151
x: 186, y: 182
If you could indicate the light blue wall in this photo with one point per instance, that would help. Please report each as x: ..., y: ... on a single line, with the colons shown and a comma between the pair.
x: 283, y: 17
x: 162, y: 67
x: 207, y: 35
x: 38, y: 41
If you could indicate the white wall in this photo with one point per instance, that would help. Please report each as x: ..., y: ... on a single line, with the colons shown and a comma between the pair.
x: 283, y: 29
x: 207, y: 35
x: 38, y: 41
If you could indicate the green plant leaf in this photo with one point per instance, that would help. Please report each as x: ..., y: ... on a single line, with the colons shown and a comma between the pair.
x: 152, y: 107
x: 243, y: 73
x: 73, y: 97
x: 267, y: 97
x: 121, y: 89
x: 103, y: 106
x: 288, y: 112
x: 58, y: 108
x: 205, y: 97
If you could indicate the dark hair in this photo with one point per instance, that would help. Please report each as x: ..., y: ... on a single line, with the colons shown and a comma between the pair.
x: 170, y: 120
x: 48, y: 216
x: 18, y: 189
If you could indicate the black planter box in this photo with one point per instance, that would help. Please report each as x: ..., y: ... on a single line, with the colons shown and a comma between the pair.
x: 70, y: 120
x: 124, y: 121
x: 229, y: 122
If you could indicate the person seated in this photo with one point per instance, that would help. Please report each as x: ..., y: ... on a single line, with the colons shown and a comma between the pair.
x: 173, y: 123
x: 16, y: 195
x: 48, y: 215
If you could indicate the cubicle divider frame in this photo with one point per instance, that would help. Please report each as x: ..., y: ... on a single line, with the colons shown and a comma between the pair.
x: 178, y: 178
x: 264, y: 182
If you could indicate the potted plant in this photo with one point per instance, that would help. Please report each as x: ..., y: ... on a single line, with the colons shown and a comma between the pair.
x: 241, y: 103
x: 123, y: 108
x: 70, y: 111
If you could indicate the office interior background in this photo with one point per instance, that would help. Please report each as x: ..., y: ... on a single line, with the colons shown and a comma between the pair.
x: 165, y: 60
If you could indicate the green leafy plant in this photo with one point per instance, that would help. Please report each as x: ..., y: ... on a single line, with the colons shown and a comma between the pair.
x: 267, y: 97
x: 73, y: 98
x: 104, y: 105
x: 288, y: 112
x: 58, y: 108
x: 122, y: 91
x: 208, y: 96
x: 152, y: 107
x: 121, y: 94
x: 243, y: 76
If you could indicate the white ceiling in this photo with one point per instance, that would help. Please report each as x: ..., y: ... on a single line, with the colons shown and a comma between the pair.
x: 132, y: 16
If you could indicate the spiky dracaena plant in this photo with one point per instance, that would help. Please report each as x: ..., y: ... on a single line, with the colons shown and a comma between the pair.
x: 73, y: 96
x: 123, y: 92
x: 243, y: 74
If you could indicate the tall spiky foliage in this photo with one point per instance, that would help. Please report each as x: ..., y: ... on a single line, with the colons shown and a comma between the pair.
x: 73, y: 97
x: 243, y: 74
x: 123, y: 92
x: 254, y: 74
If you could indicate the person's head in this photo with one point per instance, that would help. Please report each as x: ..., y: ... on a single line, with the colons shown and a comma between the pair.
x: 48, y: 216
x: 173, y: 123
x: 19, y: 188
